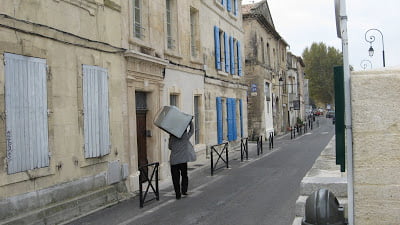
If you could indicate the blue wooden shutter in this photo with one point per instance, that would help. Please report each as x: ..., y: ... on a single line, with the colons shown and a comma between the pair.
x: 229, y: 118
x: 95, y: 108
x: 217, y: 48
x: 241, y: 117
x: 219, y: 120
x: 239, y: 59
x: 231, y: 45
x: 236, y: 7
x: 223, y: 2
x: 229, y: 5
x: 227, y: 55
x: 234, y: 126
x: 26, y: 113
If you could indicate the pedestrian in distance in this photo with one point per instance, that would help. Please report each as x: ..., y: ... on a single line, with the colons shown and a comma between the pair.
x: 182, y: 152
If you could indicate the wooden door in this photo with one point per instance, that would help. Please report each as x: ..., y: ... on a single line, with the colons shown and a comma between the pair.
x: 141, y: 137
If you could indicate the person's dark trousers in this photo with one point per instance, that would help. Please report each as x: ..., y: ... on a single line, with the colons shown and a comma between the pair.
x: 177, y: 171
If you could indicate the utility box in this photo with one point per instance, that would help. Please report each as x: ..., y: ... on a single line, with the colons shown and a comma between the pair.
x: 322, y: 208
x: 173, y: 121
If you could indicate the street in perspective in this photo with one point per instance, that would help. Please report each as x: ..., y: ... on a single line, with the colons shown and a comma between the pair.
x: 209, y: 112
x: 260, y: 190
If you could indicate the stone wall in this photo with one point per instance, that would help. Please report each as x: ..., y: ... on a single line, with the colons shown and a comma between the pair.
x: 376, y: 141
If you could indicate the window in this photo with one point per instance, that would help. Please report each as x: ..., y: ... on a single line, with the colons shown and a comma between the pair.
x: 171, y: 23
x: 222, y: 48
x: 26, y: 113
x: 262, y: 52
x: 95, y: 111
x: 217, y: 46
x: 173, y: 100
x: 220, y: 124
x: 231, y: 118
x: 137, y: 19
x: 194, y: 32
x: 235, y: 7
x: 241, y: 117
x: 196, y: 119
x: 239, y: 59
x: 268, y: 55
x: 233, y: 54
x: 227, y: 107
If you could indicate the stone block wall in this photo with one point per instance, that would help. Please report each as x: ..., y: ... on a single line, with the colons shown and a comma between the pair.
x: 376, y: 146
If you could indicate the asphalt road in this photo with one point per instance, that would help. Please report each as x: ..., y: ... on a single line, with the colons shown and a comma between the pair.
x: 260, y: 191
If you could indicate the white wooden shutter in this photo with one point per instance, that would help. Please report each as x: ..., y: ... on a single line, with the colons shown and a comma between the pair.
x: 95, y: 108
x: 26, y: 113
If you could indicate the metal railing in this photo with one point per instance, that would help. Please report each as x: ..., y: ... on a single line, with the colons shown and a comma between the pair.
x: 150, y: 180
x: 259, y: 145
x: 244, y: 148
x: 219, y: 149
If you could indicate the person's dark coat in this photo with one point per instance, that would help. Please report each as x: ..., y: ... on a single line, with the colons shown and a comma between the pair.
x: 182, y: 150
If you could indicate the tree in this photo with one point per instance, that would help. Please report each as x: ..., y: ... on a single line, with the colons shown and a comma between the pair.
x: 320, y: 60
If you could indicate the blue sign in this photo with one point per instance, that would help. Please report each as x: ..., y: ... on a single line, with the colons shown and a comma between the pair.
x: 253, y: 88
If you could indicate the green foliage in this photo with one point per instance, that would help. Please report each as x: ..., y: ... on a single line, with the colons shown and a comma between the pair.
x: 299, y: 121
x: 320, y: 60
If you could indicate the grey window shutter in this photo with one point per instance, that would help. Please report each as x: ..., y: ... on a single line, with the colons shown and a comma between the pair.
x: 26, y: 113
x: 96, y: 113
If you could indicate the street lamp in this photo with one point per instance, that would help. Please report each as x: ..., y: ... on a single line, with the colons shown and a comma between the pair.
x: 371, y: 51
x: 364, y: 63
x: 372, y: 39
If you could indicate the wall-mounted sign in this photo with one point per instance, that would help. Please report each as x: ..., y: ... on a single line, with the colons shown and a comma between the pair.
x: 296, y: 104
x: 253, y: 87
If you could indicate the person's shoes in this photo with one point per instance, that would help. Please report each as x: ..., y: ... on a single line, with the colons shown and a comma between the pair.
x: 185, y: 194
x: 178, y: 196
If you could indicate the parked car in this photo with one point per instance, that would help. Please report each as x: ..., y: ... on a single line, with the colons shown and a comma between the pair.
x: 317, y: 113
x: 330, y: 114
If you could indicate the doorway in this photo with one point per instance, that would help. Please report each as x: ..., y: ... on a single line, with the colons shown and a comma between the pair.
x: 141, y: 118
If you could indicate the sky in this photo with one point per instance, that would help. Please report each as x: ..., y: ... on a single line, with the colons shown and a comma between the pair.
x: 301, y: 23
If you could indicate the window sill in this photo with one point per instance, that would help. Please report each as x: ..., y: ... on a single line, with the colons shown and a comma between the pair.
x: 232, y: 15
x: 219, y: 5
x: 8, y: 179
x: 222, y: 73
x: 173, y: 54
x: 93, y: 161
x: 139, y: 42
x: 237, y: 77
x: 196, y: 61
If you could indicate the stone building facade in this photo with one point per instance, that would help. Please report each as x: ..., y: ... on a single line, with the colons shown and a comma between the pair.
x: 295, y: 89
x: 222, y: 46
x: 265, y: 66
x: 105, y: 68
x: 63, y: 104
x: 376, y: 155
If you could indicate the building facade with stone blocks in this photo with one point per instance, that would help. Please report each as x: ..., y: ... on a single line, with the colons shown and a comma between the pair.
x: 63, y: 102
x: 171, y: 61
x: 295, y: 89
x: 225, y: 90
x: 265, y: 68
x: 376, y: 141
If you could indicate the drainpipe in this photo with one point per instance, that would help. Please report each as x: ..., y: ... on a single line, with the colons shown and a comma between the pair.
x: 348, y: 121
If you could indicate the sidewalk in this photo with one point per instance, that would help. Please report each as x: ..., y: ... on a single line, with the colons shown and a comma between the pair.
x: 128, y: 210
x: 323, y: 174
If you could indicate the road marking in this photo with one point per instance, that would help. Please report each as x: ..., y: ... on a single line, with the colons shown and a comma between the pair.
x: 196, y: 191
x: 280, y: 137
x: 147, y: 212
x: 261, y: 157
